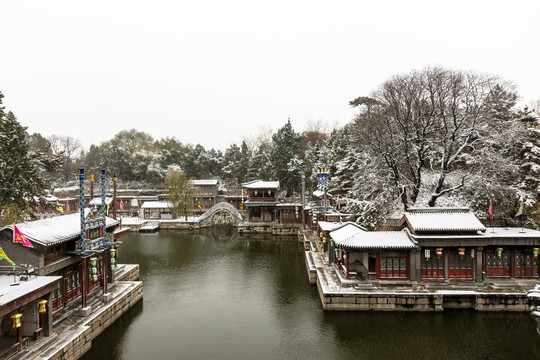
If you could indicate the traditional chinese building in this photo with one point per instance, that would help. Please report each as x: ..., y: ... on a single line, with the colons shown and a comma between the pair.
x: 436, y: 244
x: 289, y: 213
x: 25, y: 310
x: 56, y: 242
x: 262, y: 198
x: 455, y: 245
x: 235, y: 196
x: 157, y: 210
x: 383, y: 255
x: 205, y: 194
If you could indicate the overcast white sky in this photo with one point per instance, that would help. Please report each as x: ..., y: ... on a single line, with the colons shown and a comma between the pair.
x: 213, y: 72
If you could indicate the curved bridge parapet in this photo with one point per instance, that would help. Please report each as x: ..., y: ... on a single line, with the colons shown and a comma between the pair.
x: 221, y: 213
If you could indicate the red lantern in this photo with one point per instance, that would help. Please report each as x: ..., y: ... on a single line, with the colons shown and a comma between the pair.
x: 461, y: 253
x: 439, y: 253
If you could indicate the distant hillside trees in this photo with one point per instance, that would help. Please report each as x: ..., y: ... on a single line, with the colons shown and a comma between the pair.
x: 431, y: 137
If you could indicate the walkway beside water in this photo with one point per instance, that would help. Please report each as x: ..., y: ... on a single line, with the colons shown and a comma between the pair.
x: 73, y: 334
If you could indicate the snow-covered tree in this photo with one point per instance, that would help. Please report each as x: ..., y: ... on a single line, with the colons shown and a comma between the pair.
x: 435, y: 125
x: 235, y: 163
x: 232, y: 160
x: 286, y: 146
x: 20, y: 183
x: 70, y: 149
x: 260, y: 163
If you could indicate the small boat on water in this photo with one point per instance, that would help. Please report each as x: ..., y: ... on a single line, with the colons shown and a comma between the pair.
x: 149, y: 227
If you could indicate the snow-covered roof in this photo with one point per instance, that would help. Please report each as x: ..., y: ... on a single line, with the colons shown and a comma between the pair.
x: 205, y: 182
x: 51, y: 198
x: 345, y: 230
x: 442, y: 219
x: 97, y: 201
x: 259, y: 184
x: 156, y: 205
x: 319, y: 193
x: 19, y: 293
x: 69, y: 188
x: 376, y: 240
x: 298, y: 205
x: 329, y: 225
x: 512, y: 232
x: 54, y: 230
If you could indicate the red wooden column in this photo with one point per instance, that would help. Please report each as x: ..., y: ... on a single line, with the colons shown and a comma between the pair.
x: 512, y: 263
x: 19, y: 337
x: 105, y: 253
x: 114, y: 197
x: 84, y: 281
x: 348, y: 274
x: 64, y: 287
x: 91, y: 187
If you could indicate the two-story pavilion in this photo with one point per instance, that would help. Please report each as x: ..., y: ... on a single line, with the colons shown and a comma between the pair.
x: 261, y: 200
x: 205, y: 192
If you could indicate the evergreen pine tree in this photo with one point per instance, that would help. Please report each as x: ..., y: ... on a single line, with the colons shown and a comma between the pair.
x: 19, y: 181
x: 286, y: 145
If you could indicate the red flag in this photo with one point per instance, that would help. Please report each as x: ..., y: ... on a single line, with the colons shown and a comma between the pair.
x: 490, y: 210
x: 18, y: 237
x: 121, y: 205
x: 67, y: 206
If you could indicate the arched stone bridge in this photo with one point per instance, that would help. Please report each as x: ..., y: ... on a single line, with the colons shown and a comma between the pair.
x: 221, y: 213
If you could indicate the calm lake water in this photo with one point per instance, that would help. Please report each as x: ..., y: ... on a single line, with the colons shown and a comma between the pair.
x: 218, y: 295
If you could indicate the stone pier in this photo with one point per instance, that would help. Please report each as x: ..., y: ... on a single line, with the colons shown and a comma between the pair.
x: 74, y: 336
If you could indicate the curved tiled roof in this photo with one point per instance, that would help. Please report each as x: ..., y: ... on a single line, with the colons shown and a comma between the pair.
x: 377, y: 240
x: 54, y: 230
x: 203, y: 182
x: 98, y: 201
x: 444, y: 220
x: 156, y: 205
x: 353, y: 236
x: 259, y: 184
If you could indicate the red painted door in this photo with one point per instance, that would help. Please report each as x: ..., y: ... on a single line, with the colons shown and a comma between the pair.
x: 497, y: 265
x: 432, y: 267
x: 460, y: 267
x: 393, y: 265
x: 525, y: 265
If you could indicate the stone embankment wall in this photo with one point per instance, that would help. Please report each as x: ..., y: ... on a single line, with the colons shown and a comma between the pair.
x: 502, y: 302
x: 311, y: 269
x: 366, y: 296
x: 129, y: 272
x: 81, y: 341
x: 78, y: 344
x: 72, y: 343
x: 274, y: 229
x: 418, y: 301
x: 378, y: 301
x: 252, y: 228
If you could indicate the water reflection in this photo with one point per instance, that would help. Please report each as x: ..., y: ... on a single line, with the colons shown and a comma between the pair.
x: 216, y: 294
